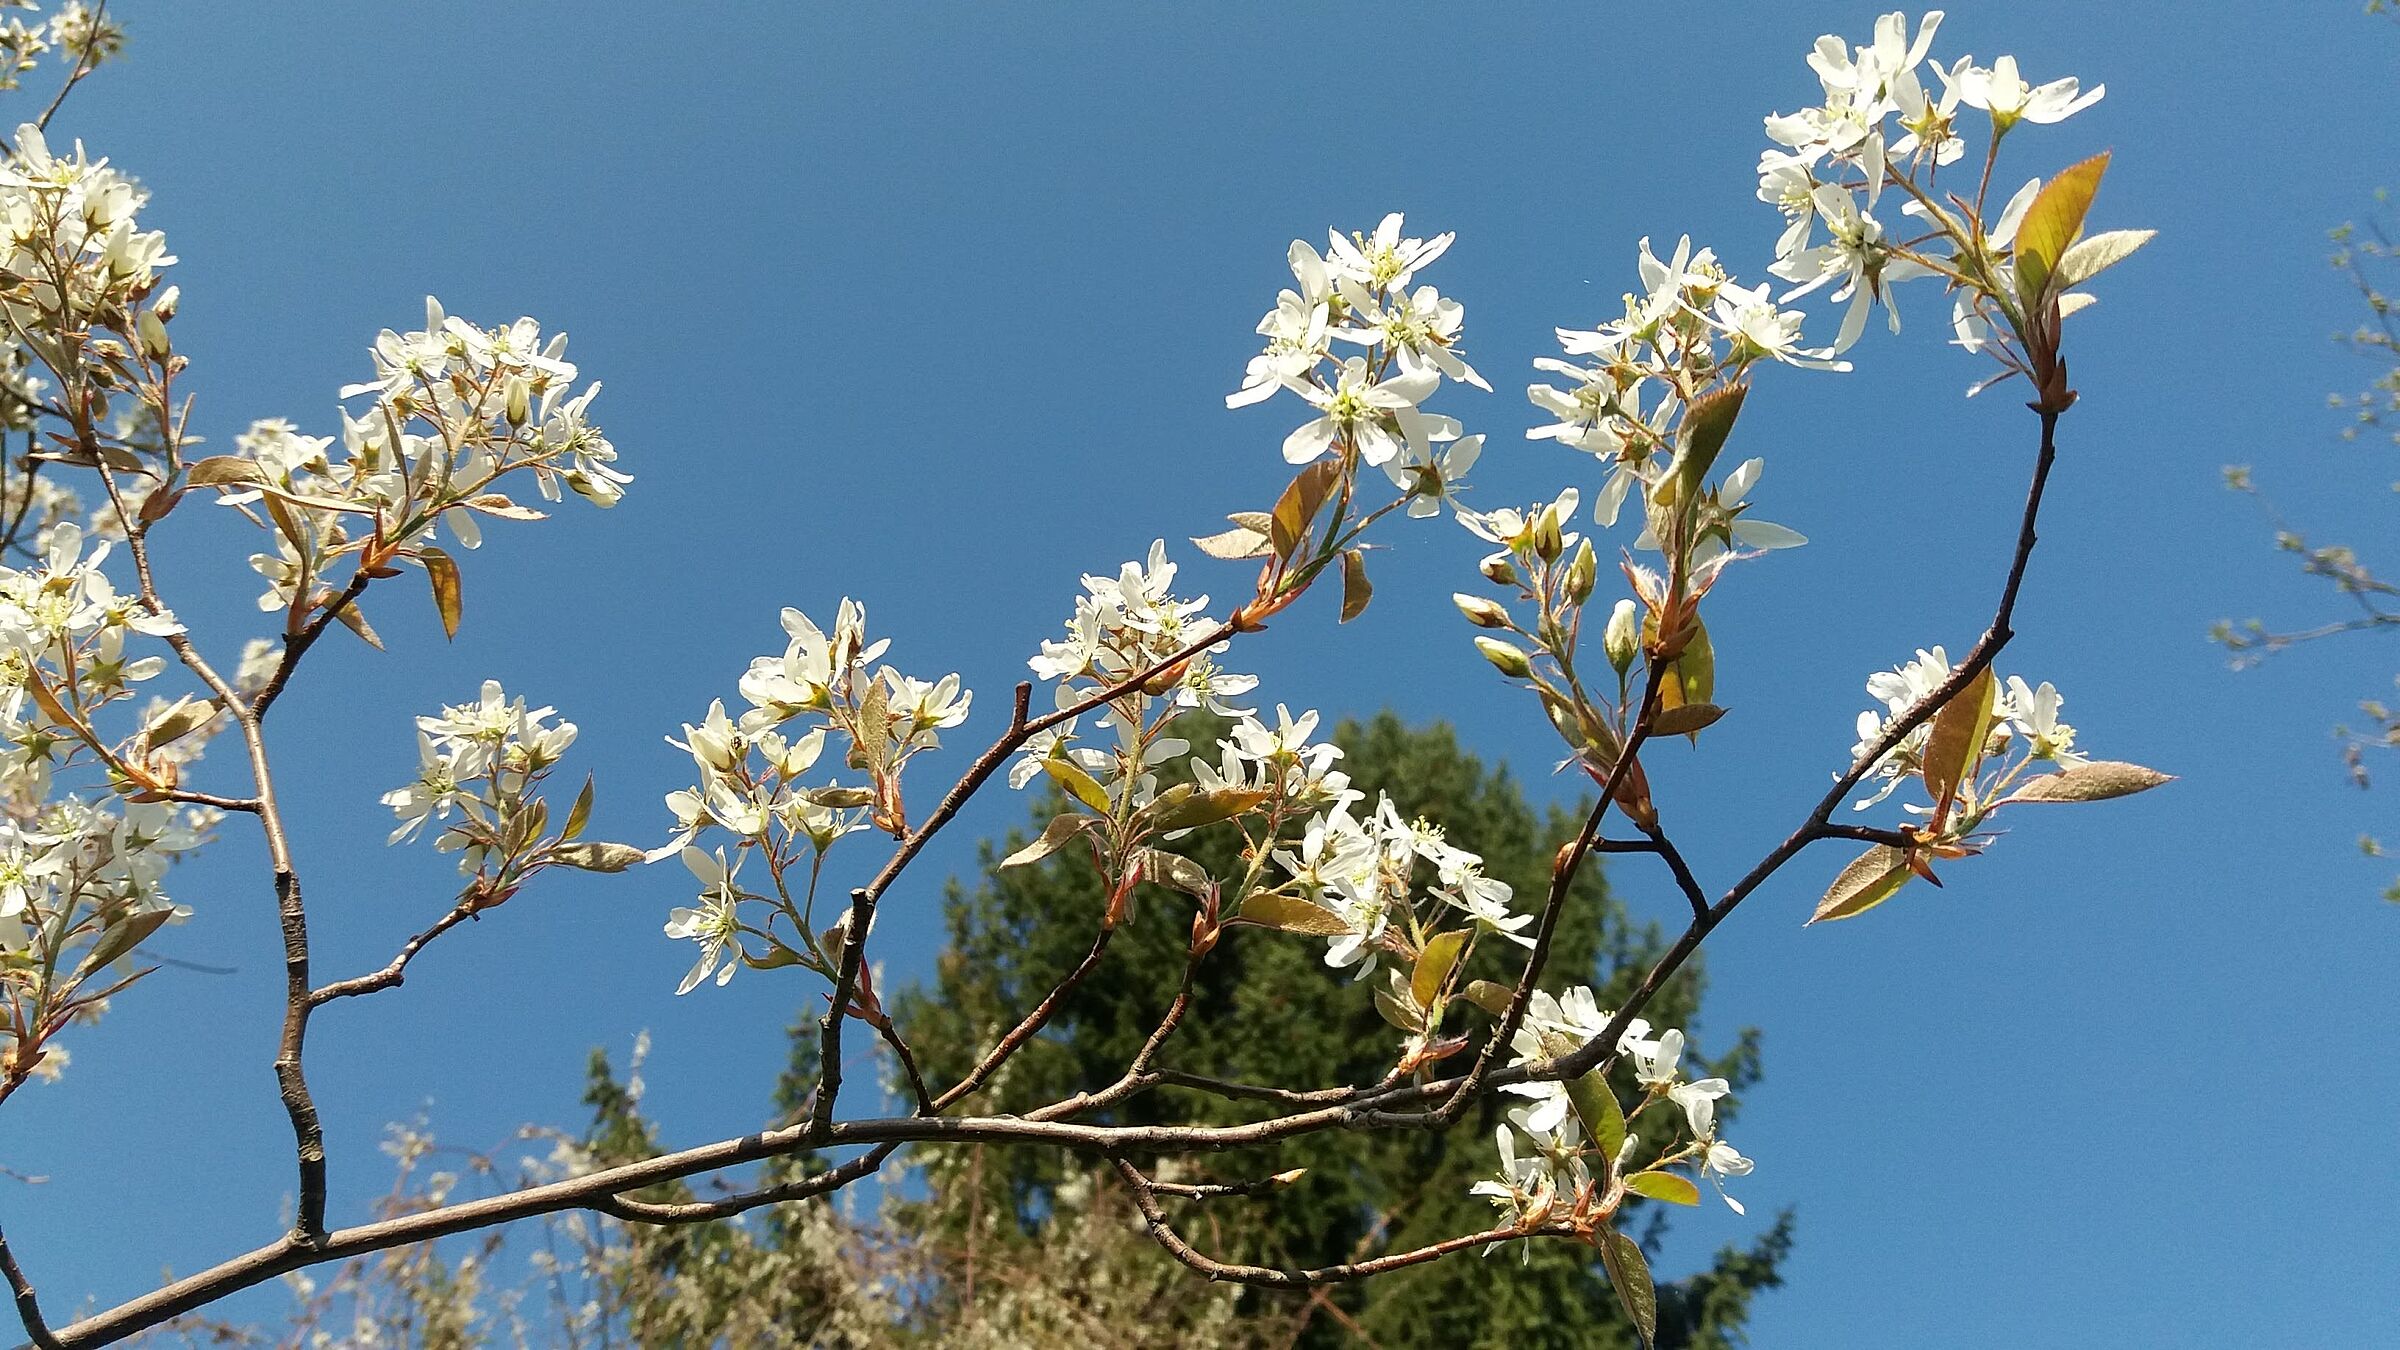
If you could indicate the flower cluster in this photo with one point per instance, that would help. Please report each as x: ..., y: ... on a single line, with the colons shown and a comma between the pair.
x: 1310, y: 864
x: 1568, y: 1158
x: 2027, y: 714
x: 1365, y: 873
x: 1881, y: 128
x: 1645, y: 387
x: 86, y: 339
x: 752, y: 784
x: 74, y: 251
x: 79, y: 893
x: 79, y: 878
x: 1654, y: 396
x: 456, y: 408
x: 1133, y: 639
x: 486, y: 760
x: 1369, y: 405
x: 1984, y: 747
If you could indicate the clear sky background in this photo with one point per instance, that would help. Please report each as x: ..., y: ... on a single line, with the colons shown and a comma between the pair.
x: 936, y: 305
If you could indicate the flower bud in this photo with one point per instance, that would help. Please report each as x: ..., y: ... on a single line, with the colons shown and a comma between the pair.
x: 1582, y: 574
x: 153, y: 335
x: 1480, y: 612
x: 1506, y: 659
x: 520, y: 402
x: 164, y: 305
x: 1624, y: 635
x: 1498, y: 570
x: 1548, y: 543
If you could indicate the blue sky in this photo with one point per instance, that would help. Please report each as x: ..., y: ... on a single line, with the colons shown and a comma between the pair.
x: 936, y: 305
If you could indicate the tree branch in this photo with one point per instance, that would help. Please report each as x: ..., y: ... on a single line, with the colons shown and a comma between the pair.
x: 1163, y: 1232
x: 1602, y: 1049
x: 1026, y: 1029
x: 29, y: 1310
x: 308, y: 1134
x: 1562, y: 879
x: 396, y: 972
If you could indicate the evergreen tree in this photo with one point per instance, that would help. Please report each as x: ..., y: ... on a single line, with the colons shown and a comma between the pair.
x: 1267, y: 1010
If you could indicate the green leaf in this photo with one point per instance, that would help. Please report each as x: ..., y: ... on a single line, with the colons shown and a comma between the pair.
x: 125, y: 935
x: 777, y: 956
x: 1492, y: 998
x: 1183, y: 808
x: 578, y: 814
x: 1665, y: 1186
x: 1054, y: 836
x: 46, y: 699
x: 1955, y: 745
x: 286, y: 524
x: 1356, y: 589
x: 225, y: 471
x: 2094, y: 782
x: 2088, y: 258
x: 1298, y: 505
x: 1174, y: 871
x: 355, y: 621
x: 1078, y: 784
x: 1693, y: 677
x: 871, y: 733
x: 526, y: 826
x: 1629, y: 1275
x: 1685, y: 719
x: 1706, y: 424
x: 597, y: 856
x: 442, y: 571
x: 1433, y: 966
x: 313, y: 503
x: 1399, y: 1014
x: 497, y: 504
x: 1237, y: 543
x: 2051, y: 226
x: 1595, y: 1103
x: 185, y: 717
x: 1868, y: 881
x: 1271, y: 909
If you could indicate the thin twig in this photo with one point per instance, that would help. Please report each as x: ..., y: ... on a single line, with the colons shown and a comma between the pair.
x: 396, y: 971
x: 86, y: 61
x: 908, y: 1065
x: 1684, y: 880
x: 1602, y: 1048
x: 1220, y: 1190
x: 1163, y: 1232
x: 1562, y: 879
x: 667, y: 1215
x: 297, y: 644
x: 1137, y: 1073
x: 1026, y: 1029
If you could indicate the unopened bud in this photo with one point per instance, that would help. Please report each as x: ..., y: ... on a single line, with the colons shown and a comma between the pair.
x: 164, y: 305
x: 1506, y: 659
x: 153, y: 335
x: 1498, y: 570
x: 1480, y: 612
x: 1624, y: 635
x: 520, y: 402
x: 1548, y: 543
x: 1582, y: 574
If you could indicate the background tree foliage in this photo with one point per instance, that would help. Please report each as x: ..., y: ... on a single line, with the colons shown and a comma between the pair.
x: 1267, y: 1010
